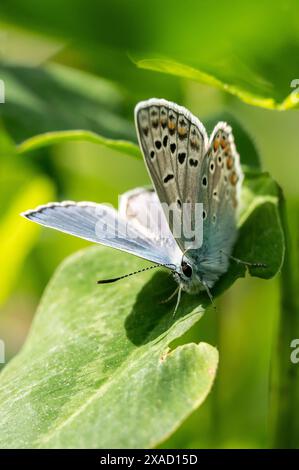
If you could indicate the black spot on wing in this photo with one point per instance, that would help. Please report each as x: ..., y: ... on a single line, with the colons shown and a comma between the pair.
x: 182, y: 157
x: 173, y: 147
x: 193, y: 162
x: 168, y: 178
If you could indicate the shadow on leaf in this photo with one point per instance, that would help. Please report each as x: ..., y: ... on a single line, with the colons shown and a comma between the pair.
x: 150, y: 318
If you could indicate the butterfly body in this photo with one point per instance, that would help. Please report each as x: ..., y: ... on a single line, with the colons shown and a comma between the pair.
x: 188, y: 222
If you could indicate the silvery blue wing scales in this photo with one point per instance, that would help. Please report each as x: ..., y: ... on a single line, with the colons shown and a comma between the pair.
x: 186, y: 168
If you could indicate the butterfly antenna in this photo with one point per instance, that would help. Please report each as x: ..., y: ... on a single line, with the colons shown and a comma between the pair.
x: 245, y: 263
x: 114, y: 279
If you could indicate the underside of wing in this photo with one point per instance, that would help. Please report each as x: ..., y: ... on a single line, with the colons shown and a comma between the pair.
x: 220, y: 185
x: 174, y: 143
x: 100, y: 224
x: 142, y: 208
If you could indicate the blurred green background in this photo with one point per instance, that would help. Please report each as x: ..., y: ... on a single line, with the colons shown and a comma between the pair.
x: 73, y: 65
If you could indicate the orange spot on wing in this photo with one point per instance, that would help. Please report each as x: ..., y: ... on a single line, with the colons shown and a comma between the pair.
x: 216, y: 144
x: 182, y: 132
x: 233, y: 178
x: 229, y: 163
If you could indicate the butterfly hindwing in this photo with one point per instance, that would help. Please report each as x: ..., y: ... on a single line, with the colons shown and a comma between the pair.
x: 220, y: 183
x: 142, y: 208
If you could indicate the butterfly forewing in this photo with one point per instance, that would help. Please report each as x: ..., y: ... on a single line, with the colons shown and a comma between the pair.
x: 174, y: 143
x: 101, y: 224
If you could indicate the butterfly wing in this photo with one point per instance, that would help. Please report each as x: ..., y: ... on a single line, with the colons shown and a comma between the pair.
x: 101, y: 224
x: 220, y: 185
x: 142, y: 208
x: 174, y: 143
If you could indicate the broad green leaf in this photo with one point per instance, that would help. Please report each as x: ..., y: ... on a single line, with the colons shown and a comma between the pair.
x: 96, y: 370
x: 50, y: 138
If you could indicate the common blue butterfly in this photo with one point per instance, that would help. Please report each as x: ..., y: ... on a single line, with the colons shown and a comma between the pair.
x: 187, y: 169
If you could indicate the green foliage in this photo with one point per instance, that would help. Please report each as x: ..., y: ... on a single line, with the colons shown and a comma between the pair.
x: 77, y: 380
x: 20, y: 188
x: 285, y: 373
x: 56, y: 98
x: 246, y: 49
x: 17, y: 238
x: 96, y: 368
x: 50, y: 138
x: 254, y: 94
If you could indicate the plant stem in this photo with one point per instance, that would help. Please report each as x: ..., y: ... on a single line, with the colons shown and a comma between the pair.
x: 284, y: 397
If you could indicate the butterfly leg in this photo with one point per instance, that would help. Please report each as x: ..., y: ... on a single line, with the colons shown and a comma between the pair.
x: 179, y: 290
x: 245, y: 263
x: 209, y: 294
x: 170, y: 297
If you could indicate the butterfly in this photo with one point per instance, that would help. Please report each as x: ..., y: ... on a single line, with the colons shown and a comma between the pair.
x: 187, y: 169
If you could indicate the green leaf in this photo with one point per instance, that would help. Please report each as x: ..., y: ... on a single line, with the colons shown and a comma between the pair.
x: 246, y: 49
x: 247, y: 92
x: 97, y: 371
x: 50, y: 138
x: 55, y: 98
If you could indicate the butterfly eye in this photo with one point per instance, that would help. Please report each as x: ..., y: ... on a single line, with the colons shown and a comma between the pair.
x: 186, y: 268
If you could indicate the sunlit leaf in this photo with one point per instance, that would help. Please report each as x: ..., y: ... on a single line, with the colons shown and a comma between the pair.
x: 253, y: 96
x: 50, y: 138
